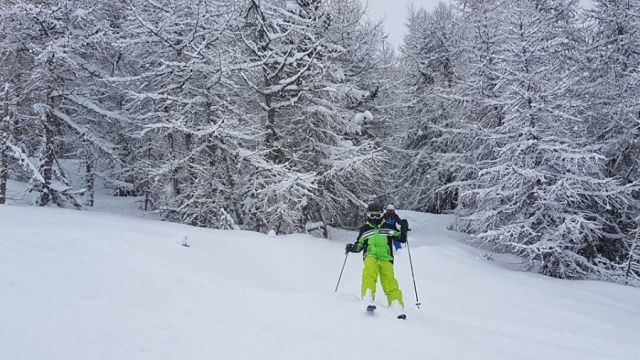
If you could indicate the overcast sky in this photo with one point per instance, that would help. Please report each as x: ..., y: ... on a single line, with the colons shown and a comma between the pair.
x: 395, y: 14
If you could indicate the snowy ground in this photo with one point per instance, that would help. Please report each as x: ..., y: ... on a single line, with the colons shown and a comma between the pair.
x: 91, y: 285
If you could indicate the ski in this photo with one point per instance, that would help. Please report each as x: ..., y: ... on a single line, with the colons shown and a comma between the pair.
x: 372, y: 308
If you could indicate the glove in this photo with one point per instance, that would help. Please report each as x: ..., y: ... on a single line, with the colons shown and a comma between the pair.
x: 404, y: 224
x: 351, y: 248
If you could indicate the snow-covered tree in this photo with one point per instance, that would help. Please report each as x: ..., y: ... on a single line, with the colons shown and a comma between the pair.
x: 431, y: 53
x: 184, y: 134
x: 612, y: 56
x: 354, y: 90
x: 312, y: 100
x: 544, y: 195
x: 37, y: 45
x: 505, y: 126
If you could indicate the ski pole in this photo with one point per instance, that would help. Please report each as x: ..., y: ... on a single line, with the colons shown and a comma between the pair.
x: 415, y: 288
x: 346, y: 254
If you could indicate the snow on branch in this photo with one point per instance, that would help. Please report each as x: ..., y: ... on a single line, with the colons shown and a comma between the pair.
x: 284, y: 83
x: 87, y: 134
x: 83, y: 101
x: 210, y: 130
x: 25, y: 162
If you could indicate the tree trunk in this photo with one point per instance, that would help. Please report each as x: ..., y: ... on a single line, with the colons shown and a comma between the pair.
x: 188, y: 144
x: 271, y: 136
x: 4, y: 164
x: 175, y: 168
x: 48, y: 157
x: 631, y: 255
x: 90, y: 180
x: 4, y: 139
x: 147, y: 192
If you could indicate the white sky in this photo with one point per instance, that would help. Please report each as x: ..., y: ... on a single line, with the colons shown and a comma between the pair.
x: 395, y: 14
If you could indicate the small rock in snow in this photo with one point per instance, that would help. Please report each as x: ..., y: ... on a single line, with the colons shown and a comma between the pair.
x: 183, y: 239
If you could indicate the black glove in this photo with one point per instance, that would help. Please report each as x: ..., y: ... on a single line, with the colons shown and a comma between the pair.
x: 404, y: 225
x: 351, y: 248
x: 404, y: 228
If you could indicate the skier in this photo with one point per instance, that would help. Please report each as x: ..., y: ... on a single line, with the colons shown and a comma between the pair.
x: 375, y: 240
x: 392, y: 218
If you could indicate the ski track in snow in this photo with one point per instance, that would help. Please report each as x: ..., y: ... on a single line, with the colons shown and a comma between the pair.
x: 91, y: 285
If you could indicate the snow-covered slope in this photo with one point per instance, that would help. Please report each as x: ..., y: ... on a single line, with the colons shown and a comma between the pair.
x: 85, y: 285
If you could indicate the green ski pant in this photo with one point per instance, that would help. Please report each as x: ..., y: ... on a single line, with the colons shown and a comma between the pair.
x: 374, y: 268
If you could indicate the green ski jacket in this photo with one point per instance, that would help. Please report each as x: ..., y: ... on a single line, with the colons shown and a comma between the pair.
x: 376, y: 240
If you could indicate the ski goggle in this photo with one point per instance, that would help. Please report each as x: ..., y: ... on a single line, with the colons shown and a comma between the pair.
x: 374, y: 215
